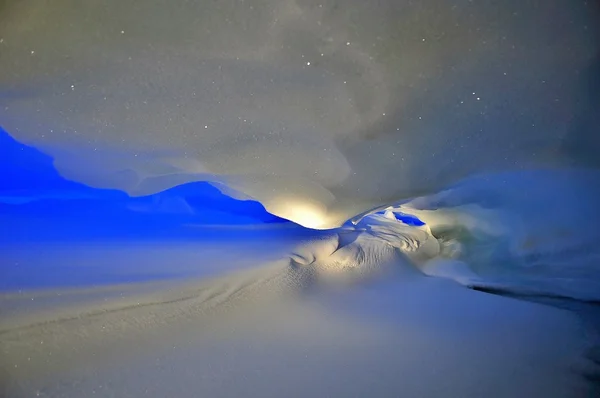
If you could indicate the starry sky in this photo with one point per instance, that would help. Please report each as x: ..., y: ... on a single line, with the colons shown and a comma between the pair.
x: 335, y: 105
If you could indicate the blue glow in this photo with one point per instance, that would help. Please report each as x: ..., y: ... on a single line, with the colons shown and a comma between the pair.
x: 409, y: 219
x: 32, y: 190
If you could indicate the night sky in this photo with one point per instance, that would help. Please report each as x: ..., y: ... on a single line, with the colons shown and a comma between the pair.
x: 338, y: 106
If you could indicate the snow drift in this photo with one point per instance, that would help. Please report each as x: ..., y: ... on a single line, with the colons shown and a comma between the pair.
x: 426, y: 140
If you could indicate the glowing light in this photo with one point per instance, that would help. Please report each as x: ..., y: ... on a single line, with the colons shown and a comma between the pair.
x: 309, y: 215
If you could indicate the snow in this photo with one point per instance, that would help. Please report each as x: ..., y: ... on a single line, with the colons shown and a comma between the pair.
x: 285, y: 310
x: 283, y: 327
x: 531, y: 233
x: 413, y: 157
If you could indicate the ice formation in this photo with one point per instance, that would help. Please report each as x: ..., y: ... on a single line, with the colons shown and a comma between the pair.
x: 528, y: 233
x: 457, y: 140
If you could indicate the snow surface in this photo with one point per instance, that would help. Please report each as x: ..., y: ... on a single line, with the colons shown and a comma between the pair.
x: 530, y: 233
x: 289, y: 328
x: 451, y: 147
x: 282, y: 310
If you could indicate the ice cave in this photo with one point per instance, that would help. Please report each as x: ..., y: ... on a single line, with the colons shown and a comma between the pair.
x: 300, y: 198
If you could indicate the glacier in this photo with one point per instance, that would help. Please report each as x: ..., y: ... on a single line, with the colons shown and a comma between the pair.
x: 299, y: 198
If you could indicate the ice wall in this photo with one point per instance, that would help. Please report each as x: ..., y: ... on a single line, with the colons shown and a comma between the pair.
x: 319, y: 110
x: 38, y: 203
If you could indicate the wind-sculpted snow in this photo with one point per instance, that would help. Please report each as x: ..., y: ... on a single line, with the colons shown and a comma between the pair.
x: 527, y: 234
x: 345, y: 304
x: 355, y: 299
x: 427, y: 145
x: 319, y: 111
